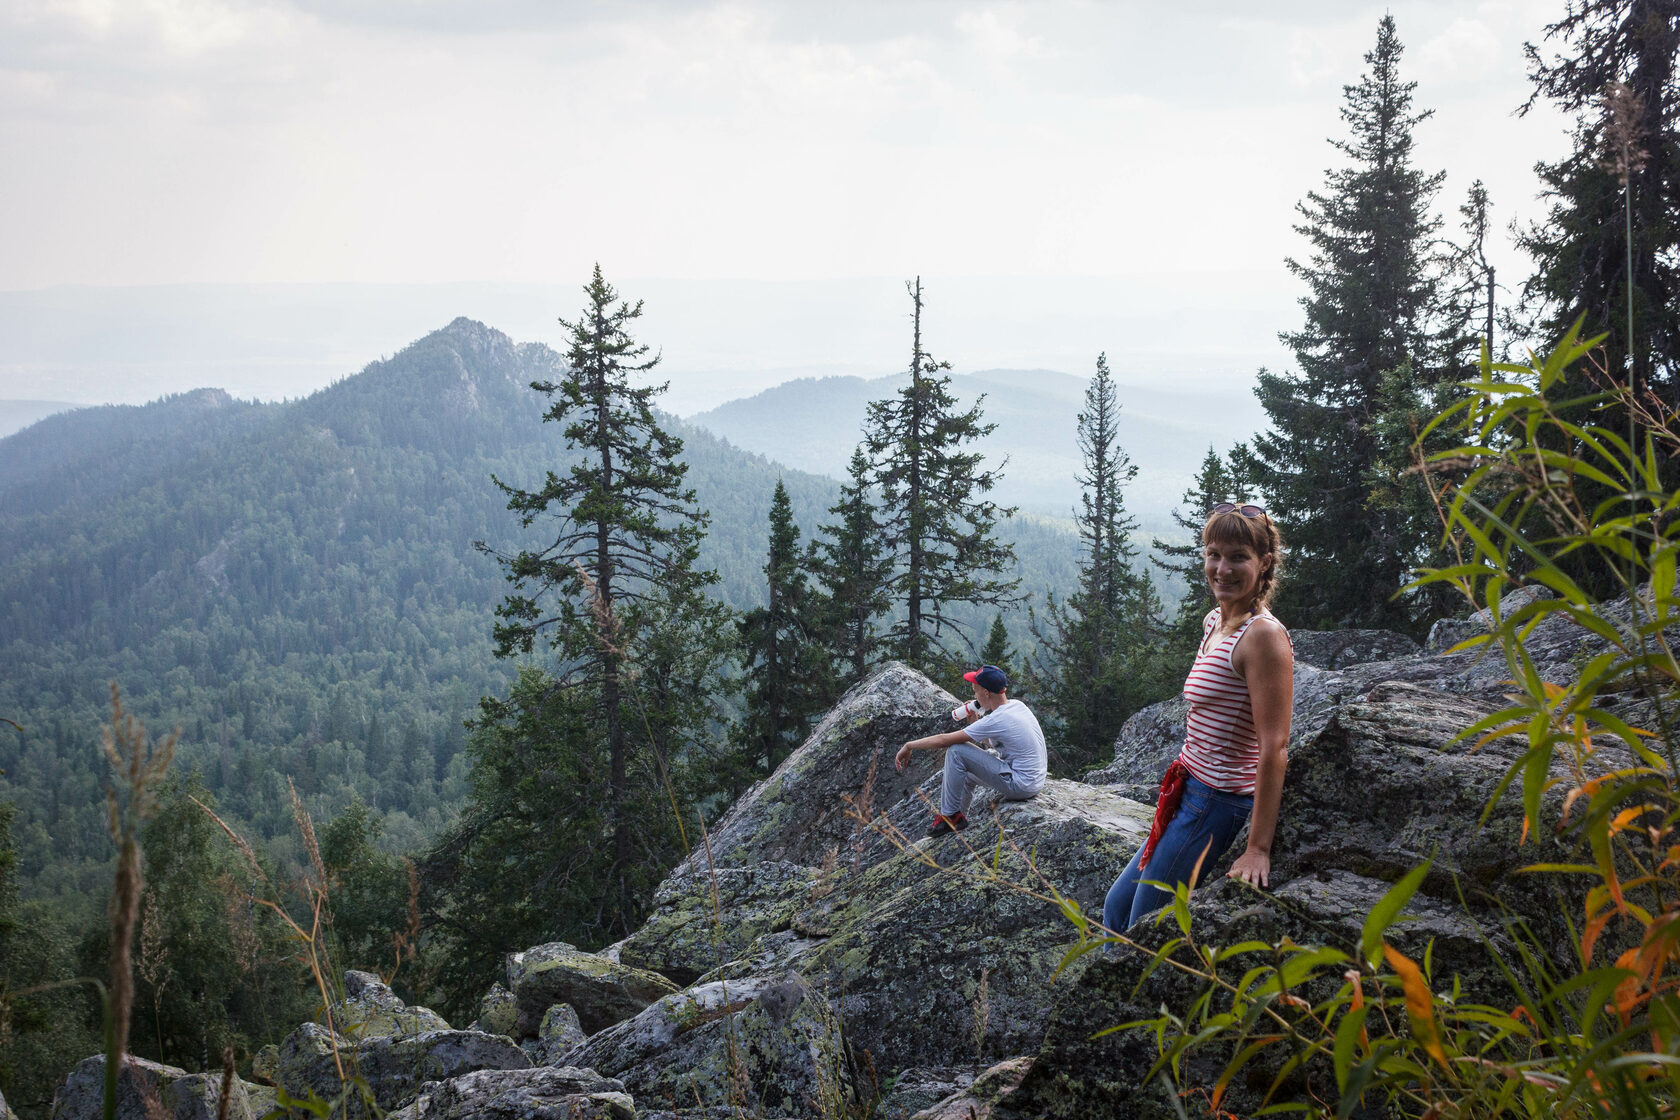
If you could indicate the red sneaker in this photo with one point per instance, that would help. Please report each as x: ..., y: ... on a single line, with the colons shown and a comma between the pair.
x: 942, y: 824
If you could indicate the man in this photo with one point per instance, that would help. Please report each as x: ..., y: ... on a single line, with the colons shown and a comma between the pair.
x: 1017, y: 771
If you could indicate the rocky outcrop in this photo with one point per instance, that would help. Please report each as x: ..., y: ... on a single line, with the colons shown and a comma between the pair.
x: 806, y: 807
x: 560, y: 1032
x: 1339, y: 649
x: 932, y: 958
x: 533, y: 1094
x: 978, y: 1100
x: 146, y: 1090
x: 394, y: 1068
x: 371, y: 1009
x: 1376, y: 785
x: 768, y: 1046
x: 600, y: 990
x: 818, y: 956
x: 705, y: 918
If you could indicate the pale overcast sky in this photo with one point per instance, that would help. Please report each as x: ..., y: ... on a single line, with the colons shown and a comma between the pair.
x: 395, y: 141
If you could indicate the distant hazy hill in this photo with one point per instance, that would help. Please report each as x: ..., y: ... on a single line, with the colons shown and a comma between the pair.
x: 16, y: 415
x: 813, y: 424
x: 295, y: 584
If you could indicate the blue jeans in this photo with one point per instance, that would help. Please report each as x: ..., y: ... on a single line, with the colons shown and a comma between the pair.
x: 1208, y: 820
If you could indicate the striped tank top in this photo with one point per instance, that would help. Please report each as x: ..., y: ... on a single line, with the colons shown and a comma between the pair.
x: 1220, y: 744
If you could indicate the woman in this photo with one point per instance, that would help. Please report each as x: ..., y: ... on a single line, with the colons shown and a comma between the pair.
x: 1236, y: 745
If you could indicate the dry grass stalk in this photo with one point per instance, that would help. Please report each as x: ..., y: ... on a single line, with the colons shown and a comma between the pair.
x: 982, y: 1012
x: 139, y: 767
x: 313, y: 955
x: 227, y: 1083
x: 1622, y: 110
x: 405, y: 943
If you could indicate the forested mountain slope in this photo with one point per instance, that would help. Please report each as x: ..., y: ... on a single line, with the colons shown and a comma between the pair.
x: 295, y: 585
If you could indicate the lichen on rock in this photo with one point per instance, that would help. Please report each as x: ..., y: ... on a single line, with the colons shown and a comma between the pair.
x: 601, y: 991
x: 770, y: 1045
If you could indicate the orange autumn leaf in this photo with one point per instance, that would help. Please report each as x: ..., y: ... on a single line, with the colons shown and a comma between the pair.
x: 1420, y: 1004
x: 1353, y: 978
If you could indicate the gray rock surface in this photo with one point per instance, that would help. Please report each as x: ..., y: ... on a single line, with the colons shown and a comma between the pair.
x: 931, y: 960
x: 703, y: 918
x: 265, y: 1064
x: 371, y: 1009
x: 768, y: 1045
x: 601, y: 991
x: 1339, y: 649
x: 394, y: 1068
x: 5, y: 1113
x: 1078, y: 1074
x: 800, y: 812
x: 921, y: 1087
x: 533, y: 1094
x: 179, y: 1094
x: 498, y: 1013
x: 560, y: 1031
x: 978, y: 1100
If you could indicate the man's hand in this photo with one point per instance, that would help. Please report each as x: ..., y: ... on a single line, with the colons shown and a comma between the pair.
x: 902, y: 757
x: 1253, y: 867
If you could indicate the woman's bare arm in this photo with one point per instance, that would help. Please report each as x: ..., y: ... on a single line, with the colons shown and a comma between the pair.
x: 1264, y: 659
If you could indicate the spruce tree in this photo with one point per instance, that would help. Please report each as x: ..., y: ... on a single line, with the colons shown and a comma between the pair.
x: 997, y: 650
x: 1213, y: 484
x: 575, y: 771
x: 1100, y: 650
x: 1623, y: 173
x: 937, y: 523
x: 1370, y: 306
x: 788, y: 679
x: 849, y: 557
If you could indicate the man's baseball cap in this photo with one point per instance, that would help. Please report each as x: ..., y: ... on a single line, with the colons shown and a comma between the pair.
x: 988, y: 677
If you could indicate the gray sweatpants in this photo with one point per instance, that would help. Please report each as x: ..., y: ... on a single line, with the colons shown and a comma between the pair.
x: 967, y: 766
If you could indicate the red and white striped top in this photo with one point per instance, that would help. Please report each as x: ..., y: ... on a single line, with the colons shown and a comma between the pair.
x: 1220, y: 744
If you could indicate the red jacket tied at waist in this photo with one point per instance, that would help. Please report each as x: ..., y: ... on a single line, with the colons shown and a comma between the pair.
x: 1172, y: 792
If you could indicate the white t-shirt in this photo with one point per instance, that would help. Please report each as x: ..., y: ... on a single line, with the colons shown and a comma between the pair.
x: 1014, y: 731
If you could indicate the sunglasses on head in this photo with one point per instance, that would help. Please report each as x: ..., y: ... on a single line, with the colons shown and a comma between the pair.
x: 1248, y: 509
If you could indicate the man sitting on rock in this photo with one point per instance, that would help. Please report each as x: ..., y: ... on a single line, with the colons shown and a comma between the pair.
x: 1017, y: 771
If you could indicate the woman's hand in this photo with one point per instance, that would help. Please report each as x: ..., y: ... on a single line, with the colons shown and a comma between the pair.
x: 902, y: 757
x: 1253, y: 867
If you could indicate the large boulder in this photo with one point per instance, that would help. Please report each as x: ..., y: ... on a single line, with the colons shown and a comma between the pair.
x: 1338, y: 649
x: 703, y: 918
x: 1081, y: 1071
x: 808, y: 806
x: 601, y: 991
x: 371, y: 1009
x: 394, y: 1068
x: 769, y: 1045
x: 921, y: 1087
x: 143, y: 1088
x: 978, y: 1100
x: 531, y: 1094
x: 5, y: 1113
x: 932, y: 958
x: 560, y: 1032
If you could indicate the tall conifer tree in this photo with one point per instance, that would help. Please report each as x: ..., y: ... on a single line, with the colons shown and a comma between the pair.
x: 1100, y: 649
x: 1370, y: 308
x: 1213, y: 484
x: 573, y: 770
x: 1596, y: 194
x: 788, y: 678
x: 849, y: 556
x: 937, y: 522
